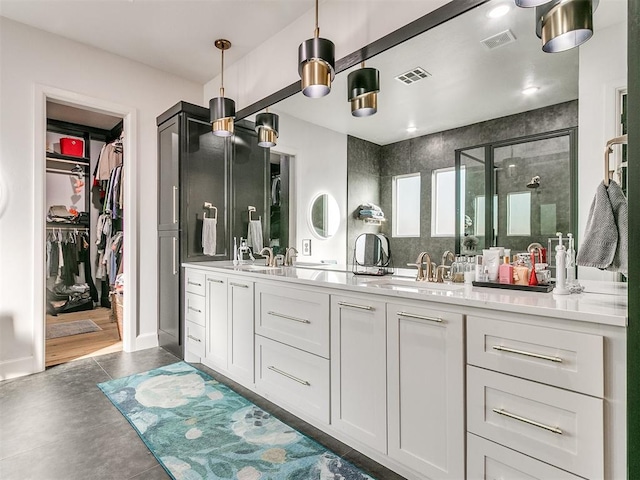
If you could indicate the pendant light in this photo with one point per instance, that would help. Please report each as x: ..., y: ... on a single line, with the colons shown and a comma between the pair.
x: 363, y: 86
x: 530, y: 3
x: 564, y: 24
x: 222, y: 110
x: 267, y: 128
x: 316, y: 64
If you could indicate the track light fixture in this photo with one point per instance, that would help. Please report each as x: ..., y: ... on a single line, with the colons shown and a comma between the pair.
x: 267, y: 129
x: 316, y: 64
x: 222, y: 110
x: 363, y: 86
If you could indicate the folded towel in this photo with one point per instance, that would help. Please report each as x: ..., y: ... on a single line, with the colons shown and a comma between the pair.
x: 209, y: 226
x: 370, y: 206
x: 254, y: 235
x: 605, y: 238
x: 376, y: 213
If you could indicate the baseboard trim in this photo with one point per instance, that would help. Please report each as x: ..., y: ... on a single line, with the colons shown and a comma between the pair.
x: 18, y: 367
x: 143, y: 342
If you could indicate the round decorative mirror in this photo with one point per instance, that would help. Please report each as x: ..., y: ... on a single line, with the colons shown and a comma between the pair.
x: 324, y: 215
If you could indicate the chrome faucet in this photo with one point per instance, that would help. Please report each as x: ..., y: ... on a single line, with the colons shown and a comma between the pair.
x: 271, y: 260
x: 443, y: 270
x: 289, y: 255
x: 420, y: 262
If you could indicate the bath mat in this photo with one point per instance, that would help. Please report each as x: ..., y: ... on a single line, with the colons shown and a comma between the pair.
x: 198, y: 428
x: 57, y: 330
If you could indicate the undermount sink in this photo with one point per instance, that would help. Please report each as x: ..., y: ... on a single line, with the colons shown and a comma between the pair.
x: 403, y: 283
x: 252, y: 267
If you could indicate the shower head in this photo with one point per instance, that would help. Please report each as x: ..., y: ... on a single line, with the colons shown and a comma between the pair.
x: 534, y: 183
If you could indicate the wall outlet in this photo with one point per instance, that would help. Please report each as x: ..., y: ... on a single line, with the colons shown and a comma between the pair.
x: 306, y: 246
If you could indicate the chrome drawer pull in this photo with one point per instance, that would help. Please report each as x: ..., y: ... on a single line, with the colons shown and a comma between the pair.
x: 288, y: 375
x: 526, y: 420
x: 238, y: 285
x: 301, y: 320
x: 353, y: 305
x: 419, y: 317
x: 194, y: 283
x: 528, y: 354
x: 194, y: 338
x: 194, y: 309
x: 214, y: 280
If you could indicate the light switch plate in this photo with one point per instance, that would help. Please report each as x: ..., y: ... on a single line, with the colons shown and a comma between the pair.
x: 306, y: 246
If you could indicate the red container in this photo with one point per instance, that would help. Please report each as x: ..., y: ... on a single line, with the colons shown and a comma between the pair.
x: 72, y: 146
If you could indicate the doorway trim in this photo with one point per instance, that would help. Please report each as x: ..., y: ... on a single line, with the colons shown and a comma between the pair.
x: 128, y: 114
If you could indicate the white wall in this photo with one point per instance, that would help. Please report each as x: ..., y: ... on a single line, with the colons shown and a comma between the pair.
x: 597, y: 120
x: 31, y: 57
x: 320, y: 167
x: 350, y: 25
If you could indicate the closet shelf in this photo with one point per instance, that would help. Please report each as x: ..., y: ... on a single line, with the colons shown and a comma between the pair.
x: 58, y: 157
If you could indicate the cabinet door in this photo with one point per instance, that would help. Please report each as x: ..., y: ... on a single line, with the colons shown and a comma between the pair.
x: 358, y: 369
x: 216, y: 322
x: 168, y: 174
x: 169, y: 328
x: 425, y: 375
x: 240, y: 338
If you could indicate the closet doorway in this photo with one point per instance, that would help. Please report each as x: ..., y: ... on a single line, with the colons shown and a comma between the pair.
x: 84, y: 191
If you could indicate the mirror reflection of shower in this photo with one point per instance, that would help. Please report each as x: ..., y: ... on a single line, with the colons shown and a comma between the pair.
x: 534, y: 183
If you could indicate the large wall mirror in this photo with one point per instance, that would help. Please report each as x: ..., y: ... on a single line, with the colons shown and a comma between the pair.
x: 454, y: 113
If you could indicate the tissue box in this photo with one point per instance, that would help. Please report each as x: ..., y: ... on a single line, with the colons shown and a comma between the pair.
x: 72, y: 146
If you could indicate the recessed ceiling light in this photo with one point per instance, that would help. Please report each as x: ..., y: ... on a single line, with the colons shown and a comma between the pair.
x: 411, y: 129
x: 499, y: 11
x: 530, y: 90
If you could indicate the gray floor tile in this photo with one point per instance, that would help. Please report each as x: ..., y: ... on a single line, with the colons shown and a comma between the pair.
x: 156, y: 473
x: 123, y: 364
x: 110, y: 452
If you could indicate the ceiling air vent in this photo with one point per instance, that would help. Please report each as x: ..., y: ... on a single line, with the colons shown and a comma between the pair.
x: 498, y: 40
x: 413, y: 75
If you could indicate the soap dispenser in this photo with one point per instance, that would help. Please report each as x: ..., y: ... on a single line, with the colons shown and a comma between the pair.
x: 561, y: 271
x: 571, y: 262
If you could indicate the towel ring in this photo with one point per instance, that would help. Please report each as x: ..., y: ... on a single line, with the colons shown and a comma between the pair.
x: 252, y: 209
x: 210, y: 206
x: 621, y: 140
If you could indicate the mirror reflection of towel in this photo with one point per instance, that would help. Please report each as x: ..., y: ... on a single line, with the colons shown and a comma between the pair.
x: 209, y: 226
x: 254, y: 235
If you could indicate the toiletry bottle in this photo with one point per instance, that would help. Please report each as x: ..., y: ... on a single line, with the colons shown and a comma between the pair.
x: 561, y: 271
x: 521, y: 274
x: 505, y: 273
x: 235, y: 250
x: 571, y: 262
x: 469, y: 271
x: 479, y: 269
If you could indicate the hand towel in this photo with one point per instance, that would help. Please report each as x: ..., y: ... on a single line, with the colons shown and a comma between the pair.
x: 621, y: 216
x: 209, y: 226
x: 254, y: 236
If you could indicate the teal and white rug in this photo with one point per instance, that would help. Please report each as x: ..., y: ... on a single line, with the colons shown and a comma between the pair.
x: 198, y: 428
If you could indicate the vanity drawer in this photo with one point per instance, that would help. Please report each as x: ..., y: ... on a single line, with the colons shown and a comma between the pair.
x: 290, y: 376
x: 194, y: 308
x: 297, y: 317
x: 194, y: 339
x: 488, y: 461
x: 556, y: 426
x: 194, y: 281
x: 562, y: 358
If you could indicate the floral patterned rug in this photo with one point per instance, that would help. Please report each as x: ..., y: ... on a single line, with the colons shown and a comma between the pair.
x: 198, y: 428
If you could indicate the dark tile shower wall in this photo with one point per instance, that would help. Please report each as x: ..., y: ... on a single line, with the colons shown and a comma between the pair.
x: 425, y: 154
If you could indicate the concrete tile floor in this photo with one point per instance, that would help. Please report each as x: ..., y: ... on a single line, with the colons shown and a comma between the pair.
x: 58, y: 425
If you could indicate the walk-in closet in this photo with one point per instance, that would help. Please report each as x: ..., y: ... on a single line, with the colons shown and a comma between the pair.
x: 84, y: 233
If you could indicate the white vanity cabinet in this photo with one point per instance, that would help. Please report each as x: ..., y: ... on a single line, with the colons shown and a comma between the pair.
x: 425, y: 362
x: 217, y: 322
x: 358, y: 369
x: 194, y: 314
x: 240, y: 330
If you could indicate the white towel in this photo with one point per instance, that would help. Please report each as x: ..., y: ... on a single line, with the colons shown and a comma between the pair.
x: 209, y: 226
x: 254, y: 236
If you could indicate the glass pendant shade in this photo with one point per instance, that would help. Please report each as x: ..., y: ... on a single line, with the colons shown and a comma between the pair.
x: 316, y: 66
x: 363, y: 86
x: 563, y: 25
x: 267, y: 128
x: 222, y: 111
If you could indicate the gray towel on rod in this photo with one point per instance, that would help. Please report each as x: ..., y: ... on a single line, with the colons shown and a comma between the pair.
x: 254, y: 236
x: 209, y: 226
x: 605, y: 237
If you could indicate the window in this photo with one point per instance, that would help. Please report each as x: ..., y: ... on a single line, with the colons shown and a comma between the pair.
x: 519, y: 214
x: 406, y: 205
x: 443, y: 202
x: 479, y: 227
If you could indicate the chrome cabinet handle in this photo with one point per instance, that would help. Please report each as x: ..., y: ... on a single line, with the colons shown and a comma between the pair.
x: 194, y: 309
x: 238, y: 285
x: 194, y: 338
x: 194, y: 283
x: 288, y: 375
x: 501, y: 411
x: 295, y: 319
x: 419, y: 317
x: 528, y: 354
x: 214, y: 280
x: 174, y: 261
x: 173, y: 205
x: 353, y: 305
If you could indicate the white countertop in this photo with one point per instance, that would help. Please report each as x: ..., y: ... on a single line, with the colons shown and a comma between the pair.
x: 602, y: 302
